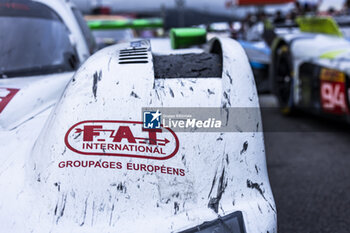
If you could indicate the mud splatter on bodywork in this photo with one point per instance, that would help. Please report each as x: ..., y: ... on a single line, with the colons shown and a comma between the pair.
x: 96, y: 79
x: 245, y: 147
x: 257, y: 187
x: 222, y: 184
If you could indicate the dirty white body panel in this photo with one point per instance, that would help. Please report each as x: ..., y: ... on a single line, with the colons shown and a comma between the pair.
x: 228, y: 169
x: 35, y: 94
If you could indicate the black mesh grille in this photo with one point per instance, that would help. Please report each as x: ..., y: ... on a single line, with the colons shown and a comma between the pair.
x: 133, y: 56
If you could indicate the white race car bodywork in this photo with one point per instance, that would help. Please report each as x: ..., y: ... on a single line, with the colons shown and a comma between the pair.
x: 314, y: 48
x: 32, y: 94
x: 25, y: 104
x: 223, y: 172
x: 35, y: 94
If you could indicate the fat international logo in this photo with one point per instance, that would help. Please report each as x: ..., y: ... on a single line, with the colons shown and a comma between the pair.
x: 152, y: 119
x: 122, y: 138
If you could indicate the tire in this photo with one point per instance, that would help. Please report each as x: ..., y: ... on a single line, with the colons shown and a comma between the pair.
x: 283, y: 80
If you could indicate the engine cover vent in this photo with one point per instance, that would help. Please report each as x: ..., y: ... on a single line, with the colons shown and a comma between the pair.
x: 133, y: 56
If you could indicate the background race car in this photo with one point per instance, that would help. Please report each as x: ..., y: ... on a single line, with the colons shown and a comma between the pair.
x: 310, y: 68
